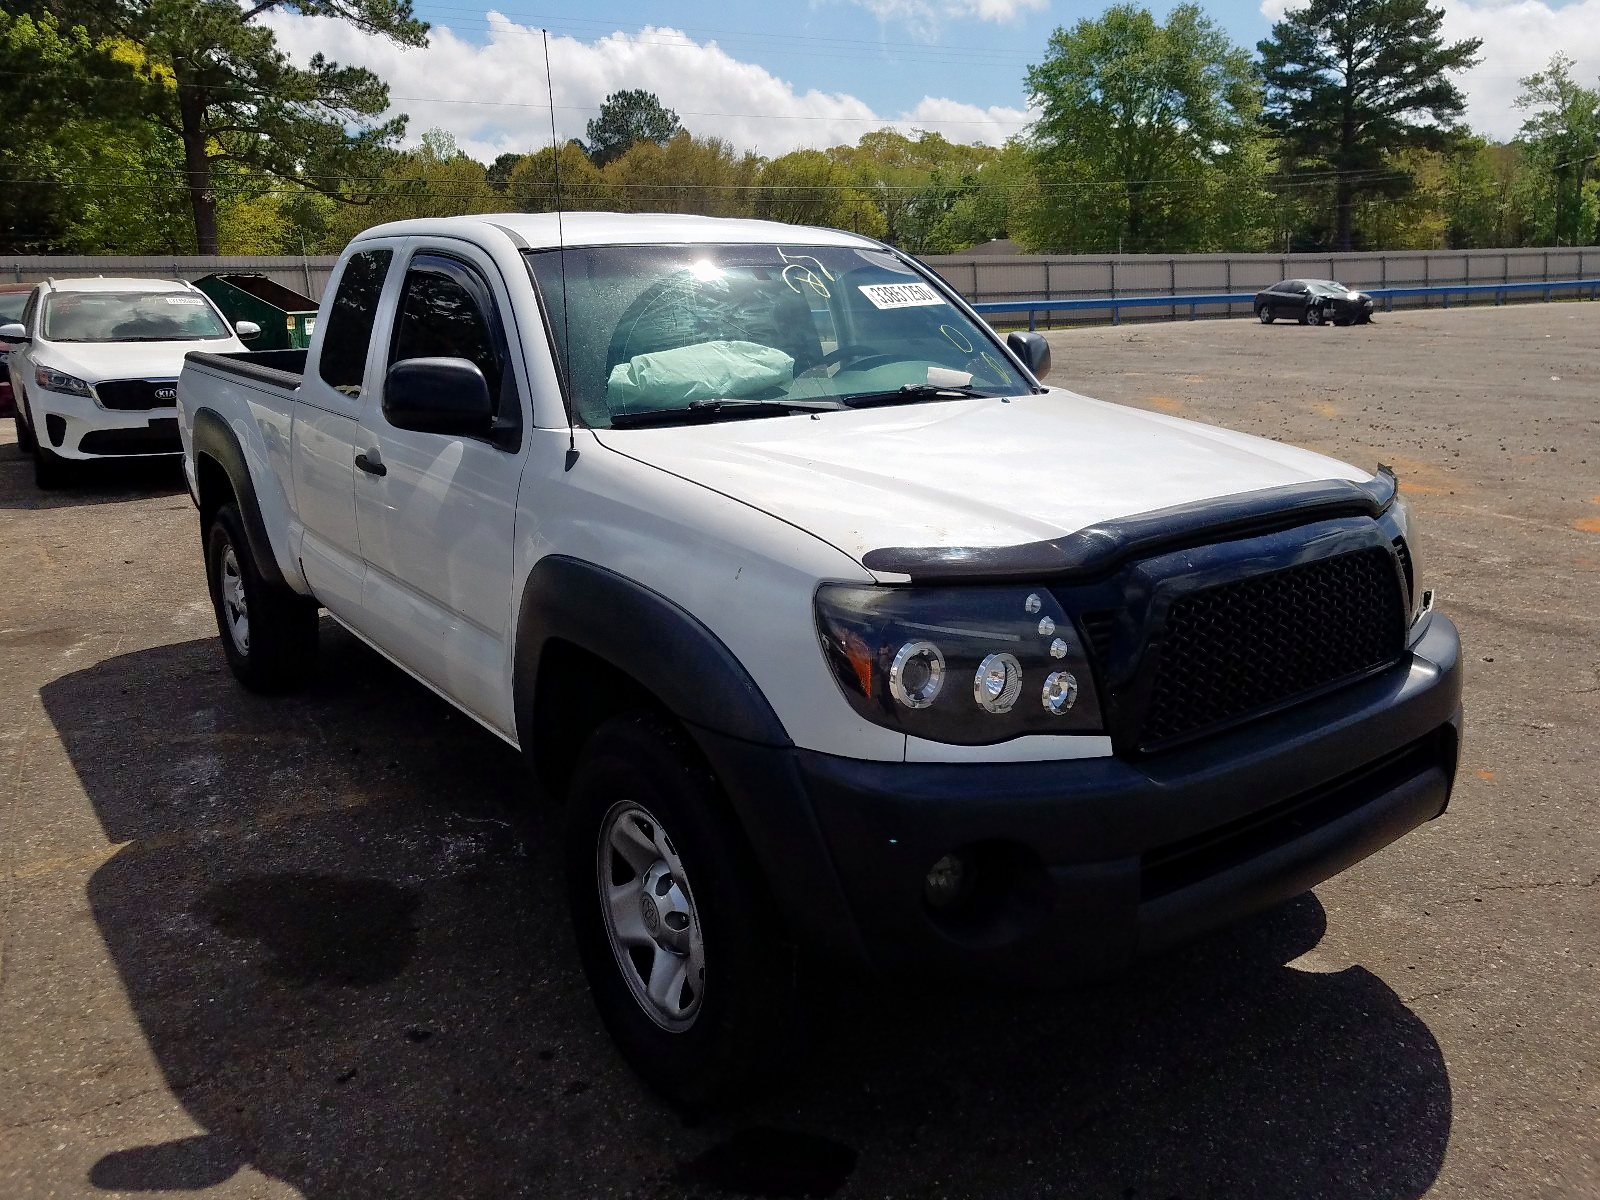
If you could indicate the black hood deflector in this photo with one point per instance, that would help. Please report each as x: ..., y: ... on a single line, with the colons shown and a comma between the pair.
x: 1099, y: 549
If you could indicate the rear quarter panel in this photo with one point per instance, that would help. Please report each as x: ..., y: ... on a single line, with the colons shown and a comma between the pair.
x: 260, y: 417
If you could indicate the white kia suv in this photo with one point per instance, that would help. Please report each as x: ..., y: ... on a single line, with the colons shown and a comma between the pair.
x: 94, y: 367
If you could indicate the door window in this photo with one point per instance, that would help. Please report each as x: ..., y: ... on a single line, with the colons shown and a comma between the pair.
x: 447, y: 311
x: 343, y: 362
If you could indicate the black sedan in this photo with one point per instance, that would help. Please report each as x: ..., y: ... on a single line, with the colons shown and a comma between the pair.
x: 1313, y: 302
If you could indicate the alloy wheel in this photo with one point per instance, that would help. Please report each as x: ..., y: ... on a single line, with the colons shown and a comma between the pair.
x: 650, y: 917
x: 234, y: 604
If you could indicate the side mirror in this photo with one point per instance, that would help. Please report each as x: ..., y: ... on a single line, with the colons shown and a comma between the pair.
x: 438, y: 395
x: 1033, y: 350
x: 14, y: 332
x: 247, y: 330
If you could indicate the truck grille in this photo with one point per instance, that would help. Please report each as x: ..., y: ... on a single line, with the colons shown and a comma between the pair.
x: 137, y: 395
x: 1237, y: 649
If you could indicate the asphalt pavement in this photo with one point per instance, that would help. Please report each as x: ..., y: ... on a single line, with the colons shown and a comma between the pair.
x: 316, y: 946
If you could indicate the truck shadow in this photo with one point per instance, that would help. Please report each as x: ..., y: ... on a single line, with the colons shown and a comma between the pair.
x: 339, y: 923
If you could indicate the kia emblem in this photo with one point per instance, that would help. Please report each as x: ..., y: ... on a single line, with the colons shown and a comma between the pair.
x: 166, y: 393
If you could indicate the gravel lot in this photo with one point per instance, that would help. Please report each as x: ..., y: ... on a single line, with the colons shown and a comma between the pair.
x: 316, y: 946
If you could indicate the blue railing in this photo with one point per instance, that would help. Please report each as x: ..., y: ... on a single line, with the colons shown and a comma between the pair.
x: 1387, y: 294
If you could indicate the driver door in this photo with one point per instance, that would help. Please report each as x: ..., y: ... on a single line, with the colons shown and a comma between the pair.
x: 437, y: 512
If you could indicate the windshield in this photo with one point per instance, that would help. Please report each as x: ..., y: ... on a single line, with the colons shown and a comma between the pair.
x: 11, y: 306
x: 653, y: 328
x: 130, y: 317
x: 1326, y: 287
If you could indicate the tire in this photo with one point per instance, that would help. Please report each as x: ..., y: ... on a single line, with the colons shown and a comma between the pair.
x: 50, y: 470
x: 24, y: 432
x: 727, y: 1016
x: 269, y: 634
x: 1364, y: 319
x: 1265, y: 315
x: 1314, y: 316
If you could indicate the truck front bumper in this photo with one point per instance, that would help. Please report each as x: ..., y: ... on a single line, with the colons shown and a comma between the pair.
x: 1077, y: 868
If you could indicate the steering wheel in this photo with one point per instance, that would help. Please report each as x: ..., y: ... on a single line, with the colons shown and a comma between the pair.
x: 850, y: 355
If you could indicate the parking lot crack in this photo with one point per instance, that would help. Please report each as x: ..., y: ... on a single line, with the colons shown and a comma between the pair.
x: 1537, y: 885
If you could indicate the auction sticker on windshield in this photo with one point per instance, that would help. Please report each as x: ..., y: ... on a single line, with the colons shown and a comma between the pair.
x: 900, y: 295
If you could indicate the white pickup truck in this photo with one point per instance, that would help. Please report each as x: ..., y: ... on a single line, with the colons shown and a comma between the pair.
x: 839, y: 633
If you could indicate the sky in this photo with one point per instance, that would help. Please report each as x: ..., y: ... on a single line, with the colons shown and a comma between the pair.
x: 775, y: 77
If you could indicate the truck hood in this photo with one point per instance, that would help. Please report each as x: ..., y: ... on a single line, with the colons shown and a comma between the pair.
x: 97, y: 361
x: 970, y: 473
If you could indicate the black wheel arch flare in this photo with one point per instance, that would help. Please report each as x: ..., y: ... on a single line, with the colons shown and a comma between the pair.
x: 211, y: 438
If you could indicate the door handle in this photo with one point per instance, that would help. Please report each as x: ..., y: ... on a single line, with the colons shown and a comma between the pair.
x: 372, y: 466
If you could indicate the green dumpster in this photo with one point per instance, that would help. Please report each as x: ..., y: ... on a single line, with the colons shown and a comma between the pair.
x: 287, y: 318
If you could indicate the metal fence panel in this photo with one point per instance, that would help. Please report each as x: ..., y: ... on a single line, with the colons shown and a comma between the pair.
x: 986, y: 278
x: 308, y: 276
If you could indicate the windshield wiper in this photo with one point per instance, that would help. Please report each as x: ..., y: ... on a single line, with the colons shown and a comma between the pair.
x: 711, y: 409
x: 913, y: 391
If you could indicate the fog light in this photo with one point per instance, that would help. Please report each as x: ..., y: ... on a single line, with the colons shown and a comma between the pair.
x: 947, y: 882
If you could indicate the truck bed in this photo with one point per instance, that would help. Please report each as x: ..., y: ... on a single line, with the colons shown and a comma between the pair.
x: 276, y: 368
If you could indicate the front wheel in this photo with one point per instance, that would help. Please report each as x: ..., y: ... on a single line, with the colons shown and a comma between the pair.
x: 689, y: 966
x: 269, y: 634
x: 1314, y: 316
x: 49, y: 468
x: 1265, y: 314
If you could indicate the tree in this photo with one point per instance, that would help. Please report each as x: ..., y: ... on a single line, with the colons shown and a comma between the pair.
x: 434, y: 180
x: 1350, y: 82
x: 993, y: 202
x: 912, y: 181
x: 1562, y: 137
x: 806, y: 187
x: 214, y: 79
x: 500, y: 169
x: 686, y: 174
x: 1135, y: 118
x: 89, y: 180
x: 531, y: 186
x: 626, y: 118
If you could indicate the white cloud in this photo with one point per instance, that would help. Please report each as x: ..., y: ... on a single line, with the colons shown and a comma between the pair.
x: 1519, y: 36
x: 926, y: 16
x: 491, y: 96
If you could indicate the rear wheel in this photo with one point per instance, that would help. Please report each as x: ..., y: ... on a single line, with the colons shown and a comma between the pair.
x: 690, y: 968
x: 1265, y: 314
x: 269, y: 634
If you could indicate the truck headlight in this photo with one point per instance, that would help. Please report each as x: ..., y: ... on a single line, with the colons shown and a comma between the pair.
x: 59, y: 381
x: 970, y: 666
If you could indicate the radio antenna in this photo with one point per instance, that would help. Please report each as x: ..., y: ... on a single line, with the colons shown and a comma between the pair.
x: 561, y: 248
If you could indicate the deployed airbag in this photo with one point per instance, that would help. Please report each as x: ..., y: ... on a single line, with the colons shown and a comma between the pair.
x: 707, y: 370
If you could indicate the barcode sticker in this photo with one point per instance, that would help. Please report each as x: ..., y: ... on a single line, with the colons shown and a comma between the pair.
x: 900, y: 295
x: 184, y: 300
